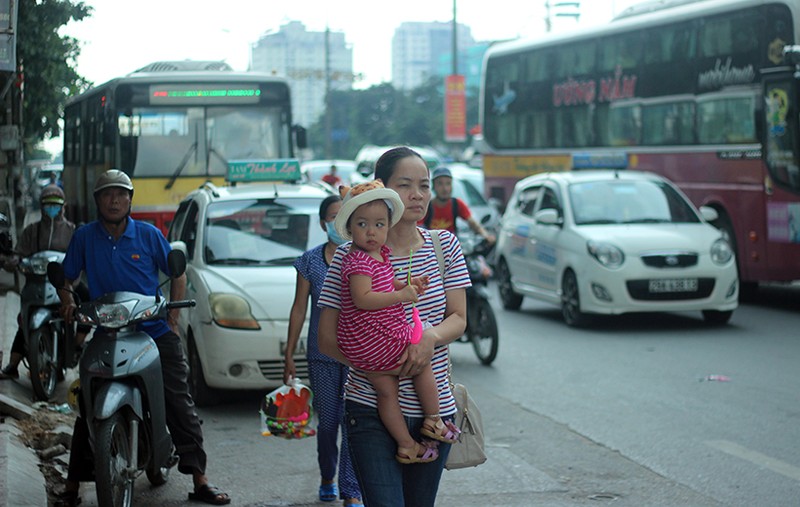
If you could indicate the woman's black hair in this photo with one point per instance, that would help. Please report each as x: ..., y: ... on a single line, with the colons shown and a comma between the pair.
x: 384, y: 167
x: 325, y: 204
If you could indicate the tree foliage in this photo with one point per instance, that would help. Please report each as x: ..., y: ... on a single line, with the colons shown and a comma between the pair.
x: 382, y: 115
x: 48, y: 62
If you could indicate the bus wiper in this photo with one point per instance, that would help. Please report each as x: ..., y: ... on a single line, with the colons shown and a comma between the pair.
x: 181, y: 165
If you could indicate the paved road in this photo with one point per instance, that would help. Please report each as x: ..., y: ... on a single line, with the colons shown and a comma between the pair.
x: 533, y: 459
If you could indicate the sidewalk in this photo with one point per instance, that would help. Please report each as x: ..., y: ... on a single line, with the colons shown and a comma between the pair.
x: 22, y: 484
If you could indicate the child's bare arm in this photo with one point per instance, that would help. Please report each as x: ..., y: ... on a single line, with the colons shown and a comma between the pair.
x: 419, y: 282
x: 367, y: 299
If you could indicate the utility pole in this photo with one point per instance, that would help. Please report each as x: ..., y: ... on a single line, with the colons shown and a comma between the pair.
x: 455, y: 107
x: 455, y: 41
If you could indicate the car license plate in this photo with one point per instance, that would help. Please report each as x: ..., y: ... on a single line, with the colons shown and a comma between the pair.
x: 674, y: 285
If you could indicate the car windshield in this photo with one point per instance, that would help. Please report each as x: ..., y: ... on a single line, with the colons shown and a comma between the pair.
x: 260, y: 231
x: 628, y: 202
x: 315, y: 172
x: 467, y: 192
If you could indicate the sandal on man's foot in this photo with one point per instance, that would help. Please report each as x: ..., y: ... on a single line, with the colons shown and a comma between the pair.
x: 67, y: 499
x: 209, y: 493
x: 441, y: 430
x: 328, y: 492
x: 420, y: 453
x: 9, y: 372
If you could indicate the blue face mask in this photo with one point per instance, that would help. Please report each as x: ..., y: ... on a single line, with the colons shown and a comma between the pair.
x: 51, y: 210
x: 333, y: 235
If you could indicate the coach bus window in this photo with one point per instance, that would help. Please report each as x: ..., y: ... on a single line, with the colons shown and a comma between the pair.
x: 620, y: 51
x: 732, y: 34
x: 575, y: 60
x: 538, y: 66
x: 670, y: 123
x: 669, y: 44
x: 572, y: 127
x: 624, y: 124
x: 726, y: 120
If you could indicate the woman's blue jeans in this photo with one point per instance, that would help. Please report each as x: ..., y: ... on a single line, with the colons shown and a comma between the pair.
x: 384, y: 481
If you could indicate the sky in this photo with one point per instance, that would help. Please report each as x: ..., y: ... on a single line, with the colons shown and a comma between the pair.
x: 121, y: 37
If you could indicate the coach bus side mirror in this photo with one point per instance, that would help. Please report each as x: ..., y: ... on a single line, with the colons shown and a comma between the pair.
x: 300, y: 137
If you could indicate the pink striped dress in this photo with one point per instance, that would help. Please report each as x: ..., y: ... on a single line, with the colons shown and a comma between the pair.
x: 371, y: 340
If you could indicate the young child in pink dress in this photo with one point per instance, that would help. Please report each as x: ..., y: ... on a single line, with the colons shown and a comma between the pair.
x: 373, y: 331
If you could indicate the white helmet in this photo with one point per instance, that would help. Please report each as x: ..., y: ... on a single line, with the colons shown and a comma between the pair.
x: 113, y: 178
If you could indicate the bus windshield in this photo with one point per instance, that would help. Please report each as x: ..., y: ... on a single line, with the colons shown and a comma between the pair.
x: 198, y: 141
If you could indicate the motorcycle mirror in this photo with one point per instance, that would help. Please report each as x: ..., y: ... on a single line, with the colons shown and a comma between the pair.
x: 176, y: 260
x: 55, y: 274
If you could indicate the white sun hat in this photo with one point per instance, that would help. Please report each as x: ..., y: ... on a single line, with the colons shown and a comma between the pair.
x: 363, y: 193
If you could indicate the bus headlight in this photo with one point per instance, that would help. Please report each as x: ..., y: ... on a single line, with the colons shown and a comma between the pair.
x: 230, y: 310
x: 721, y: 252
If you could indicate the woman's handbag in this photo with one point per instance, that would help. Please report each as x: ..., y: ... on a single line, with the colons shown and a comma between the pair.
x: 468, y: 451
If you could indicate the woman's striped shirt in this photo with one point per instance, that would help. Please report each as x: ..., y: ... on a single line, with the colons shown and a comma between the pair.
x: 431, y: 307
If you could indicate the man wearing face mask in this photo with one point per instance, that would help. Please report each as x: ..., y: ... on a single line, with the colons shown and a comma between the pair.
x: 326, y: 375
x: 52, y: 232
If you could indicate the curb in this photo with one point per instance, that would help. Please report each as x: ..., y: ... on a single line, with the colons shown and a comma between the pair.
x: 22, y: 484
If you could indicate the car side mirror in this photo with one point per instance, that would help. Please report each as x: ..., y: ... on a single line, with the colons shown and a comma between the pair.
x: 548, y: 217
x: 176, y: 261
x: 364, y: 169
x: 708, y: 213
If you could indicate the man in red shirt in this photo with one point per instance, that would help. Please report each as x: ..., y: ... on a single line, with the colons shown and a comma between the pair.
x: 332, y: 178
x: 444, y: 208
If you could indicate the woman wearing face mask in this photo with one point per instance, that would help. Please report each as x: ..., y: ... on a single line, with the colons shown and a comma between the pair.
x: 52, y: 232
x: 326, y: 375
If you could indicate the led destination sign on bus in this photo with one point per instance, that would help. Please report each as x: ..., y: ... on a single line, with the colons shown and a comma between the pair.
x: 204, y: 94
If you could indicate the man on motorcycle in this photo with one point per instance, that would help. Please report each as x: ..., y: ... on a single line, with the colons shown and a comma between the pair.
x: 118, y: 253
x: 52, y: 232
x: 444, y: 208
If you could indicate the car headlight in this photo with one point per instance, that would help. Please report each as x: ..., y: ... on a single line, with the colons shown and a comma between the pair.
x: 230, y: 310
x: 721, y: 252
x: 606, y: 254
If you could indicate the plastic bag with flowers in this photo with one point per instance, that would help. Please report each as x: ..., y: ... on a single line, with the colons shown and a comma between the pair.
x: 287, y: 412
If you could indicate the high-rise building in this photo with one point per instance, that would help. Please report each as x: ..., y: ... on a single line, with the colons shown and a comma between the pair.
x: 418, y: 47
x: 300, y: 56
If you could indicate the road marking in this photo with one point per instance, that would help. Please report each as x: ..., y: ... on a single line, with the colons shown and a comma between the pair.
x: 756, y: 457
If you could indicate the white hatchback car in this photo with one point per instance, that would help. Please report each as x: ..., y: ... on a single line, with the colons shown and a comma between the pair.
x: 613, y: 242
x: 240, y: 244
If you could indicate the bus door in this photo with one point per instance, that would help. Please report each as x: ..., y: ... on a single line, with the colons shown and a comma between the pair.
x: 782, y: 159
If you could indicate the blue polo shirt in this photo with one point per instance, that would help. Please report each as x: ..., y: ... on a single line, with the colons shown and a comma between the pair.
x: 130, y: 263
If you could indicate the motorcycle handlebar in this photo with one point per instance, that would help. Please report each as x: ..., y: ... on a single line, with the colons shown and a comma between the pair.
x: 187, y: 303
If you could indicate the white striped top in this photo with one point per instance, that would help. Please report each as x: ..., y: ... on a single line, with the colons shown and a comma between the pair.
x: 431, y: 307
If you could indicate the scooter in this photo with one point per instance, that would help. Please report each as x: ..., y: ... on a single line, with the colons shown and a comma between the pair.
x: 121, y: 393
x: 481, y: 329
x: 49, y: 342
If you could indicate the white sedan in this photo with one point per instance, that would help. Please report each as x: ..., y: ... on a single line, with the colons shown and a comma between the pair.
x: 241, y: 243
x: 613, y: 242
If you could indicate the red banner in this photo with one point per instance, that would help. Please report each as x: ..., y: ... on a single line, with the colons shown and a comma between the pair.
x: 455, y: 109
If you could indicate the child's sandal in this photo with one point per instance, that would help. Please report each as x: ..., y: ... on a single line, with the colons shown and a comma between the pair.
x: 410, y: 455
x: 443, y: 431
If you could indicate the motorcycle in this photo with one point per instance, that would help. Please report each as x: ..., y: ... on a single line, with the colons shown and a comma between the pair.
x: 481, y: 329
x: 49, y: 342
x: 121, y: 393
